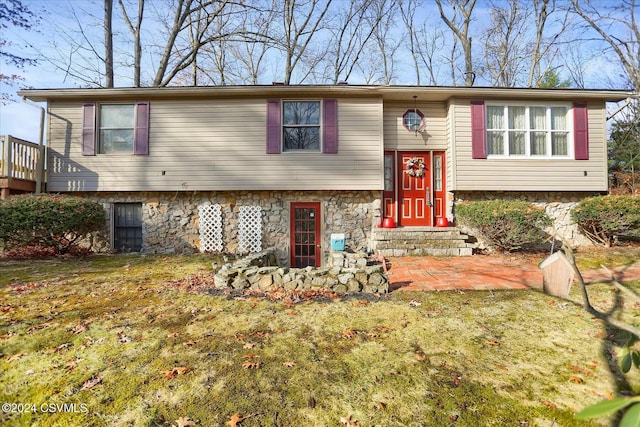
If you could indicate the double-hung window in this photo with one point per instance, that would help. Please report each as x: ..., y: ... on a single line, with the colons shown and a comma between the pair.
x: 115, y: 128
x: 301, y: 125
x: 117, y: 125
x: 527, y: 130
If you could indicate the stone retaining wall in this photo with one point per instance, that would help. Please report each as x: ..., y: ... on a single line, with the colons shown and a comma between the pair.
x: 260, y: 271
x: 171, y: 220
x: 558, y: 206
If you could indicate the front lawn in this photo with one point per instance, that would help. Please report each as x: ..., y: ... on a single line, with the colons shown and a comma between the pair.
x: 124, y: 340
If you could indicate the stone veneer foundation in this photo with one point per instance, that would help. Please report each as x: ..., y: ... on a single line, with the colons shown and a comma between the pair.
x: 171, y: 220
x: 558, y: 206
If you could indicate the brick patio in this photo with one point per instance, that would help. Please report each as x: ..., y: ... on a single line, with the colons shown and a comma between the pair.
x: 479, y: 272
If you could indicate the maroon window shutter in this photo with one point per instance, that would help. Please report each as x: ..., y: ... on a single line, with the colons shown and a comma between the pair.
x: 330, y: 126
x: 141, y: 132
x: 273, y: 126
x: 580, y: 131
x: 478, y: 131
x: 89, y: 130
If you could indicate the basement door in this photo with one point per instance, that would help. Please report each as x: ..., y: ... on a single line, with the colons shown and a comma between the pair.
x: 305, y: 235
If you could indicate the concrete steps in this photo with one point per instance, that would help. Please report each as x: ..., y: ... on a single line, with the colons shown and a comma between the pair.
x: 421, y: 241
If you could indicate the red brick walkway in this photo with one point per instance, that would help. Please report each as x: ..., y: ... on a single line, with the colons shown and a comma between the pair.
x: 479, y: 272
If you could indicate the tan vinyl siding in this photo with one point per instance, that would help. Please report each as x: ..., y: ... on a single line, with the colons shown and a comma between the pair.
x: 217, y: 145
x: 434, y: 135
x: 529, y: 174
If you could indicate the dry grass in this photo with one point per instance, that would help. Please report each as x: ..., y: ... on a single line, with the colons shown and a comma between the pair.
x: 113, y: 335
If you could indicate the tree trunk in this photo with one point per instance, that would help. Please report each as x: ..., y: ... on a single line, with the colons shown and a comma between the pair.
x: 108, y: 43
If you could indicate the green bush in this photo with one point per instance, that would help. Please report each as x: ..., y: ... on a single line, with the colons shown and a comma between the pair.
x: 508, y: 225
x: 48, y: 221
x: 603, y: 218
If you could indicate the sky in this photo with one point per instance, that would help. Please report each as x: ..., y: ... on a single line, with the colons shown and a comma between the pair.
x: 22, y: 120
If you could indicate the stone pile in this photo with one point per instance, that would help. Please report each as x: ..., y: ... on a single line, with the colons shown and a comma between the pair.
x: 260, y: 271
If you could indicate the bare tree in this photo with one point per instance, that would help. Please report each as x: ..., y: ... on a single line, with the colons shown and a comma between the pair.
x: 407, y: 11
x: 250, y: 51
x: 425, y: 42
x: 355, y: 26
x: 505, y: 53
x: 135, y: 32
x: 176, y: 58
x: 616, y: 24
x: 459, y: 23
x: 78, y: 51
x: 546, y: 47
x: 430, y: 46
x: 302, y: 20
x: 575, y: 59
x: 108, y: 43
x: 13, y: 14
x: 383, y: 39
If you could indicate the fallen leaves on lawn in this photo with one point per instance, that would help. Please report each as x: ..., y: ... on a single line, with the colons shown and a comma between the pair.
x: 16, y: 357
x: 91, y: 382
x: 251, y: 365
x: 180, y: 370
x: 123, y: 338
x: 349, y: 333
x: 79, y: 328
x: 196, y: 283
x: 583, y: 371
x: 62, y: 347
x: 185, y: 422
x: 349, y: 421
x: 236, y: 419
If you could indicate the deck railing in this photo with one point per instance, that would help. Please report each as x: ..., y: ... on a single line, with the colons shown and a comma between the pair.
x: 18, y: 158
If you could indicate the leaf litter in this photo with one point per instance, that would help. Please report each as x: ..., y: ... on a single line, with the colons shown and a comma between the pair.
x: 339, y: 349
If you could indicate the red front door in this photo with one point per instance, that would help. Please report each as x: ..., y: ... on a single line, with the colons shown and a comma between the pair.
x: 305, y: 235
x: 414, y: 189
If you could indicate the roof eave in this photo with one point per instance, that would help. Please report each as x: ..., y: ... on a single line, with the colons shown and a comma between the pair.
x: 390, y: 93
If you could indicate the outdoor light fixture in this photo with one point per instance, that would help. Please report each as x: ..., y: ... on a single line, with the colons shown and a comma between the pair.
x: 413, y: 119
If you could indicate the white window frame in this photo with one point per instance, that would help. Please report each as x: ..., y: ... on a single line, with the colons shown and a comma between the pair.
x: 100, y: 128
x: 283, y: 149
x: 528, y: 130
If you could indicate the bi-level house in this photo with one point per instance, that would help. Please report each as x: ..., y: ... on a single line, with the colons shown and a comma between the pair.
x: 235, y: 168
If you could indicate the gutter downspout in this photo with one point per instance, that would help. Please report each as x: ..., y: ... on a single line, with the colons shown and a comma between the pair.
x: 41, y: 151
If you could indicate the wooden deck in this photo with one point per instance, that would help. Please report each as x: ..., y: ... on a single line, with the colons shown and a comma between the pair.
x: 18, y: 166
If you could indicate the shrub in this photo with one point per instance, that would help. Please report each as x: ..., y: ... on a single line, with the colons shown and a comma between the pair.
x: 603, y: 218
x: 48, y: 221
x: 508, y: 225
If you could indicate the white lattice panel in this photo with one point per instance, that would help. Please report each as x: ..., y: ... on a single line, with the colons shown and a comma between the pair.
x: 250, y: 229
x: 210, y: 228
